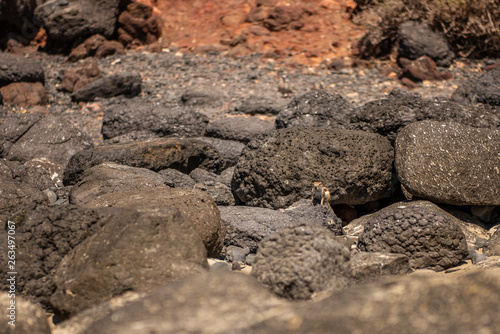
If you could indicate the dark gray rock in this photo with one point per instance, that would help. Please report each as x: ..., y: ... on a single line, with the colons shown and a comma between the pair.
x: 247, y: 226
x: 161, y: 120
x: 418, y: 303
x: 254, y: 105
x: 12, y: 128
x: 201, y: 176
x: 138, y: 250
x: 230, y: 150
x: 235, y: 253
x: 53, y: 138
x: 14, y: 193
x: 44, y: 235
x: 178, y: 179
x: 194, y: 203
x: 321, y: 214
x: 220, y: 192
x: 16, y: 68
x: 483, y: 89
x: 200, y: 96
x: 109, y: 177
x: 109, y: 86
x: 186, y: 306
x: 388, y: 116
x: 300, y: 261
x: 278, y: 170
x: 42, y: 174
x: 368, y: 266
x: 315, y: 109
x: 66, y: 21
x: 492, y: 248
x: 241, y: 129
x: 17, y: 20
x: 181, y: 154
x: 27, y: 317
x: 427, y: 236
x: 449, y: 163
x: 417, y: 39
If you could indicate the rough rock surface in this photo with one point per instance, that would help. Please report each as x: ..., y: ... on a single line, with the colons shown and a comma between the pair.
x: 247, y: 226
x: 137, y: 25
x: 242, y: 129
x: 279, y: 169
x: 220, y: 192
x: 230, y: 150
x: 253, y: 105
x: 420, y: 69
x: 159, y: 120
x: 44, y: 235
x: 14, y: 127
x: 24, y: 94
x: 417, y: 39
x: 194, y: 203
x: 178, y: 179
x: 483, y: 89
x: 419, y: 303
x: 318, y: 109
x: 492, y: 248
x: 16, y: 68
x: 366, y: 266
x: 321, y: 214
x: 66, y: 21
x: 301, y: 260
x: 50, y: 137
x: 203, y: 304
x: 449, y: 163
x: 137, y: 250
x: 109, y: 177
x: 28, y: 317
x: 423, y: 233
x: 14, y: 193
x: 80, y: 76
x: 109, y: 86
x: 181, y: 154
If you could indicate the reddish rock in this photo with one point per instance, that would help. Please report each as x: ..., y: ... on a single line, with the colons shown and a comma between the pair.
x: 80, y: 76
x: 346, y: 212
x: 109, y: 48
x: 87, y: 48
x: 284, y: 17
x: 137, y: 25
x: 25, y: 93
x: 423, y: 68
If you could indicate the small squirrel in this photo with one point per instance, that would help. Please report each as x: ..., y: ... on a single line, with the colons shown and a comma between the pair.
x: 320, y: 194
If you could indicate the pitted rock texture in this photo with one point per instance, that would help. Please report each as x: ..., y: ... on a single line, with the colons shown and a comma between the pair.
x: 483, y: 89
x: 12, y: 128
x: 181, y: 154
x: 16, y: 68
x: 138, y: 250
x: 14, y: 193
x: 162, y: 120
x: 247, y: 226
x: 427, y: 236
x: 279, y: 169
x: 301, y: 260
x: 389, y: 115
x: 318, y: 109
x: 25, y: 94
x: 449, y: 163
x: 194, y: 203
x: 492, y: 248
x: 44, y: 235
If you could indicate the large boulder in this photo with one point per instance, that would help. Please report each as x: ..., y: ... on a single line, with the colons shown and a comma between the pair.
x: 194, y: 203
x: 138, y: 250
x: 449, y: 163
x: 162, y: 120
x: 318, y: 109
x: 208, y: 303
x: 66, y: 21
x: 279, y: 169
x: 417, y: 39
x: 16, y: 68
x: 424, y: 233
x: 182, y: 154
x: 300, y: 261
x: 483, y: 89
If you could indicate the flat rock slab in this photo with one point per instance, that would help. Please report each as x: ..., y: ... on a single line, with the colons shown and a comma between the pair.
x: 449, y: 163
x: 182, y: 154
x: 279, y: 169
x: 16, y: 68
x: 209, y: 303
x: 138, y: 250
x: 194, y: 203
x: 247, y: 226
x: 109, y: 86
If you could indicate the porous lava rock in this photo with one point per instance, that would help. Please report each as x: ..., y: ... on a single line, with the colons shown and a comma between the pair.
x: 247, y: 226
x: 14, y: 193
x: 96, y: 45
x: 427, y: 236
x: 12, y: 128
x: 182, y: 307
x: 301, y: 260
x: 137, y: 25
x: 279, y: 169
x: 181, y: 154
x: 80, y: 76
x: 128, y: 84
x: 316, y: 108
x: 16, y: 68
x: 417, y: 39
x: 242, y: 129
x: 137, y: 250
x: 492, y: 248
x: 447, y: 162
x: 485, y: 89
x: 25, y: 94
x: 158, y: 120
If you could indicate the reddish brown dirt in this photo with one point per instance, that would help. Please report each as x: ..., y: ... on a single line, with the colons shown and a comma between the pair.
x: 323, y: 31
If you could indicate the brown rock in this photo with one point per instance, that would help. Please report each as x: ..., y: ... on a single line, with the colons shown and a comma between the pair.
x: 25, y: 93
x: 87, y: 48
x: 80, y: 76
x: 109, y: 48
x: 423, y: 68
